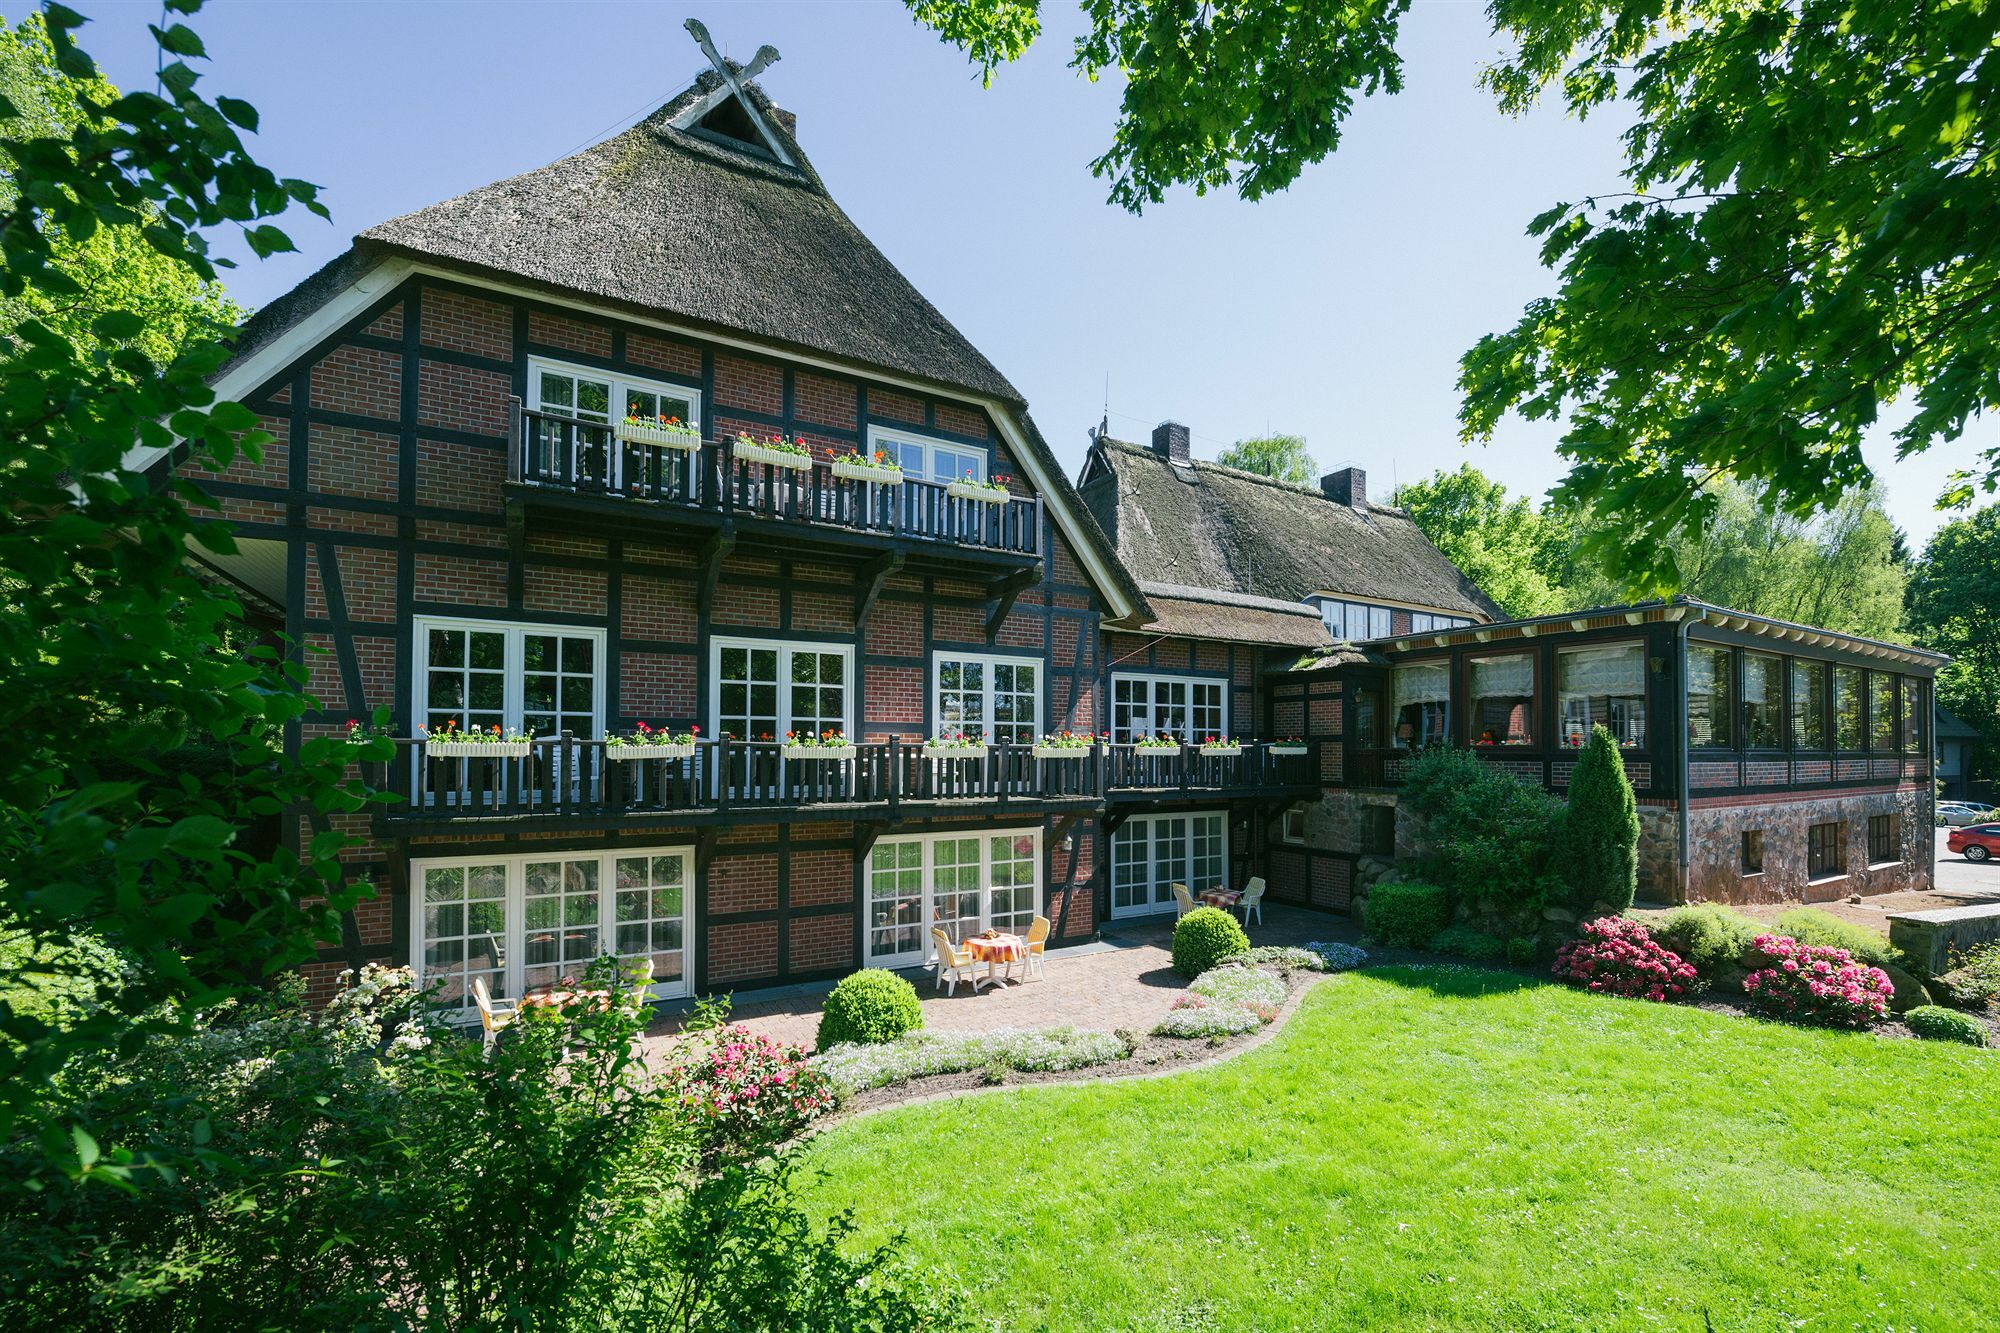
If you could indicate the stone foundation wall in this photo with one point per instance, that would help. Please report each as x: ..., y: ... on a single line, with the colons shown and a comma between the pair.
x: 1715, y: 846
x: 1659, y: 854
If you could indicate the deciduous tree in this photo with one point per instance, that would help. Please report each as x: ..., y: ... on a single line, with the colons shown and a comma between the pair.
x: 1284, y: 457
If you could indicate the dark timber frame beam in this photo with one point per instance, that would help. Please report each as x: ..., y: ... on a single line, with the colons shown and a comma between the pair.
x: 704, y: 847
x: 874, y: 577
x: 865, y: 834
x: 1003, y: 594
x: 712, y: 555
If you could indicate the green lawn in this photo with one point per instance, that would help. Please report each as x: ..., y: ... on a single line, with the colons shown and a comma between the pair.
x: 1446, y: 1148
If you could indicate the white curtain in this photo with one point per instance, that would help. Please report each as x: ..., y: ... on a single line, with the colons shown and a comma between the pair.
x: 1760, y: 679
x: 1503, y: 677
x: 1423, y: 683
x: 1617, y: 672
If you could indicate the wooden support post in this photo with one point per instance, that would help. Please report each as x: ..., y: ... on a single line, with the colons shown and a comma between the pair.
x: 712, y: 555
x: 704, y: 847
x: 1003, y: 594
x: 874, y: 575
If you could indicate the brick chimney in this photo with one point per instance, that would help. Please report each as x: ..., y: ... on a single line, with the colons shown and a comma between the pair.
x: 1348, y: 486
x: 1170, y: 441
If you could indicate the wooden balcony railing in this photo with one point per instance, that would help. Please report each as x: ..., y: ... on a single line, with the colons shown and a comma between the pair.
x: 586, y: 458
x: 584, y: 779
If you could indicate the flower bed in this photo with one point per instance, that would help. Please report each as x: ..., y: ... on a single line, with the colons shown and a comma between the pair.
x: 855, y: 1068
x: 1247, y: 987
x: 826, y: 745
x: 1814, y: 983
x: 1338, y: 957
x: 1198, y: 1016
x: 745, y: 1093
x: 1618, y: 956
x: 1064, y: 745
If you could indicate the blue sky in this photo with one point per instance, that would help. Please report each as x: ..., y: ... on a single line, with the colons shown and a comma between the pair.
x: 1337, y: 310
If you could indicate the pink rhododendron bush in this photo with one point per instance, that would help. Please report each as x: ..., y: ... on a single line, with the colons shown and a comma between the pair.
x: 1618, y: 956
x: 1814, y: 983
x: 744, y: 1093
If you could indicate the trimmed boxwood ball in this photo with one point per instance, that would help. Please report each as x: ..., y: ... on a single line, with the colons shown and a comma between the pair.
x: 870, y: 1007
x: 1936, y: 1023
x: 1204, y: 937
x: 1407, y: 913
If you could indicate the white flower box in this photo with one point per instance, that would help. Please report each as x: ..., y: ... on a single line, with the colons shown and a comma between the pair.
x: 1062, y: 751
x: 752, y: 452
x: 936, y: 751
x: 660, y: 437
x: 1221, y: 751
x: 819, y: 752
x: 1288, y: 749
x: 853, y: 471
x: 963, y: 490
x: 478, y: 749
x: 650, y: 751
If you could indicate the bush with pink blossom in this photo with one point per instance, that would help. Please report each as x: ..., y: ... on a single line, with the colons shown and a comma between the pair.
x: 1815, y: 983
x: 743, y: 1093
x: 1617, y: 956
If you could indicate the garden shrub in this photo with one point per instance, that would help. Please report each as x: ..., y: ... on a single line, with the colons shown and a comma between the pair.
x: 1713, y: 939
x: 1935, y: 1023
x: 1204, y: 937
x: 1616, y: 955
x: 743, y: 1092
x: 1971, y: 979
x: 1407, y: 914
x: 1597, y: 847
x: 1245, y: 986
x: 1466, y: 942
x: 1811, y: 925
x: 1495, y: 836
x: 1522, y: 950
x: 1198, y: 1016
x: 1338, y: 957
x: 1814, y: 983
x: 871, y: 1005
x: 854, y: 1068
x: 1284, y: 957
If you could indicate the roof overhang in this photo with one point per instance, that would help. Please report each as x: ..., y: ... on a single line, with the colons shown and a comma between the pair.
x: 269, y: 360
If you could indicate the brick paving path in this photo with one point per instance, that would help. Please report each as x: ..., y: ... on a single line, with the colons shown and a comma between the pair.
x: 1127, y: 981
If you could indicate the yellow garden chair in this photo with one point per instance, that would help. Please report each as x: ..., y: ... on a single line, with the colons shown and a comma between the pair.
x: 952, y: 962
x: 1038, y: 938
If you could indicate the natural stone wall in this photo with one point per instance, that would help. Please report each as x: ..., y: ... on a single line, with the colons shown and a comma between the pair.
x: 1659, y: 854
x: 1715, y: 847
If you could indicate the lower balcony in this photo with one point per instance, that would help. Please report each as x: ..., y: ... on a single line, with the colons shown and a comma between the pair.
x: 585, y: 784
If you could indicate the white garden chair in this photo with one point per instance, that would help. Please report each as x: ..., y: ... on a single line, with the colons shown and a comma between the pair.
x: 1253, y: 899
x: 1183, y: 901
x: 1038, y: 938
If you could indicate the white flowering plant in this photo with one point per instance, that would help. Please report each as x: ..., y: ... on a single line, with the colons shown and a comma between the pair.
x: 855, y: 1068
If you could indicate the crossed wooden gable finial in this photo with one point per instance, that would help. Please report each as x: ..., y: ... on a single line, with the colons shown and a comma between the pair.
x: 732, y: 86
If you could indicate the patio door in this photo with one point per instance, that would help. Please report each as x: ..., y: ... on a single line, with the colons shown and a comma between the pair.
x: 523, y: 923
x: 1151, y: 853
x: 958, y: 883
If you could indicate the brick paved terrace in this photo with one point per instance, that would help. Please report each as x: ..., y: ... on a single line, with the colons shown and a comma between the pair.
x: 1126, y: 980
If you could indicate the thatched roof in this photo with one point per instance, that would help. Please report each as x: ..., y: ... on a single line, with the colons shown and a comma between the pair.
x: 1200, y: 613
x: 709, y: 229
x: 1206, y: 526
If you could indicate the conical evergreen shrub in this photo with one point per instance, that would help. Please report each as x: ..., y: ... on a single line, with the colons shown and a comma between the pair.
x: 1597, y: 848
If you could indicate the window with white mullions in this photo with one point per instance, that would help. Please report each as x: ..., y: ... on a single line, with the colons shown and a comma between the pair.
x: 958, y: 883
x: 818, y: 693
x: 1152, y: 853
x: 765, y: 689
x: 601, y: 398
x: 561, y: 916
x: 524, y: 922
x: 539, y: 679
x: 1188, y: 709
x: 927, y: 458
x: 998, y: 697
x: 747, y: 693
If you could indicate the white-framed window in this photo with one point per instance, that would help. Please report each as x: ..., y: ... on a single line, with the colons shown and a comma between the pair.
x: 604, y: 397
x: 1000, y: 697
x: 1424, y: 622
x: 598, y: 398
x: 1355, y: 622
x: 1189, y: 708
x: 960, y: 882
x: 541, y: 679
x: 1152, y: 853
x: 927, y: 457
x: 765, y: 688
x: 1294, y: 828
x: 524, y: 922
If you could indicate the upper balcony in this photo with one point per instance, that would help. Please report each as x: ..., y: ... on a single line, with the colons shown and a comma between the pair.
x: 578, y: 472
x: 586, y: 784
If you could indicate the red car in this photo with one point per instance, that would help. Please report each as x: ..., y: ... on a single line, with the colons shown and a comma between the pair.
x: 1979, y: 842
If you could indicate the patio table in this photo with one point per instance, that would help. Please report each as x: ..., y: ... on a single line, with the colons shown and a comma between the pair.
x: 994, y: 950
x: 1226, y: 899
x: 558, y: 999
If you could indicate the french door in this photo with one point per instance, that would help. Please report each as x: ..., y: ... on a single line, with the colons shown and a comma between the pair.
x: 764, y: 690
x: 1152, y: 853
x: 601, y: 399
x: 524, y: 923
x: 959, y: 883
x: 1186, y: 709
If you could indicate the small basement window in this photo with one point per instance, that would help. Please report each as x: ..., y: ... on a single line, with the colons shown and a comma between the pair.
x: 1379, y: 830
x: 1753, y: 851
x: 1882, y: 839
x: 1294, y: 829
x: 1826, y: 850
